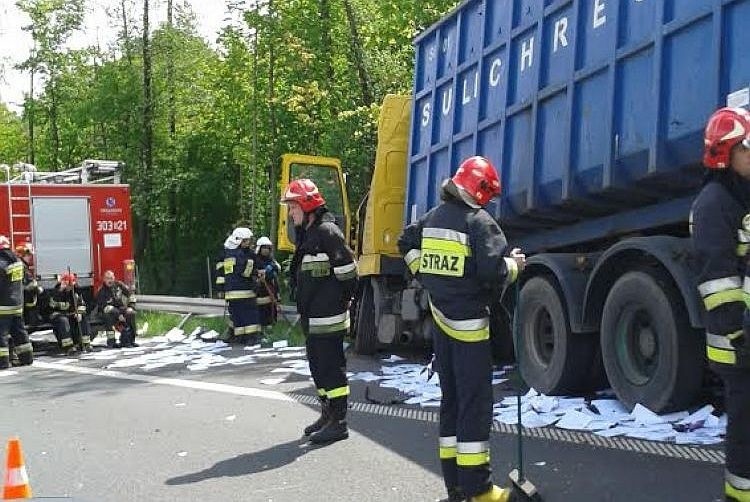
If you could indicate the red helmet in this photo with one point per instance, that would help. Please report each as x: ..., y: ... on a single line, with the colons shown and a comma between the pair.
x: 478, y: 178
x: 305, y: 193
x: 4, y: 242
x: 726, y: 128
x: 68, y: 278
x: 24, y: 248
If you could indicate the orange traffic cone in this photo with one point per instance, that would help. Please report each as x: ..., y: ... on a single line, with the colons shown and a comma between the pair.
x: 16, y: 480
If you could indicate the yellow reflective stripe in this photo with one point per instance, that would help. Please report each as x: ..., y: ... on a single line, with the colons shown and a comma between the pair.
x: 4, y: 351
x: 321, y: 392
x: 239, y: 295
x: 472, y: 459
x: 445, y: 245
x: 221, y: 280
x: 310, y: 258
x: 219, y: 265
x: 412, y: 260
x: 338, y: 392
x: 331, y: 324
x: 447, y: 452
x: 742, y: 249
x: 723, y: 297
x: 445, y: 234
x: 720, y: 355
x: 229, y: 265
x: 263, y: 300
x: 248, y: 272
x: 717, y: 285
x: 24, y: 347
x: 10, y: 311
x: 66, y: 342
x: 735, y: 493
x: 468, y: 330
x: 512, y: 267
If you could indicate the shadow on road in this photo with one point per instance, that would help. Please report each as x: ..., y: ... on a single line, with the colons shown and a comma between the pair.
x: 249, y: 463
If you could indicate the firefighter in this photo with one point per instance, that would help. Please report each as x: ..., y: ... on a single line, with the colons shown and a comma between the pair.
x: 323, y: 277
x: 116, y: 303
x: 31, y: 288
x: 720, y: 227
x: 268, y: 284
x: 459, y: 254
x: 240, y: 271
x: 11, y: 308
x: 69, y: 320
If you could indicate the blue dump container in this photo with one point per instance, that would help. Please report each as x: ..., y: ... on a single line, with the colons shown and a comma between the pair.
x: 592, y: 110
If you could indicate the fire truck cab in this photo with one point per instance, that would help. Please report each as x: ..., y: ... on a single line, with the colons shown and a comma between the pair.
x: 78, y: 220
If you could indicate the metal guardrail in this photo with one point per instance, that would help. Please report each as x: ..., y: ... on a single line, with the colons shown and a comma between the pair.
x: 199, y: 306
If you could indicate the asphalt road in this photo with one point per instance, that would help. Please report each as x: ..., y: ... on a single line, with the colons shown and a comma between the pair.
x: 94, y: 434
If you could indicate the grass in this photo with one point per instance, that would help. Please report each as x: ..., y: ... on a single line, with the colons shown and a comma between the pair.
x: 160, y: 322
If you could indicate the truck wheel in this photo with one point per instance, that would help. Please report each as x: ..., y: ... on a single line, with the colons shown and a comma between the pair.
x: 366, y: 339
x: 553, y: 360
x: 651, y: 353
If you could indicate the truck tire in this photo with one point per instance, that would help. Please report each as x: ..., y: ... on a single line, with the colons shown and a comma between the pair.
x: 651, y: 354
x: 553, y: 360
x: 366, y: 339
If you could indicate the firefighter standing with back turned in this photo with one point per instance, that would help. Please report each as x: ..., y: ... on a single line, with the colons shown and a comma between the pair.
x: 323, y: 277
x: 720, y: 227
x: 458, y: 253
x: 11, y: 308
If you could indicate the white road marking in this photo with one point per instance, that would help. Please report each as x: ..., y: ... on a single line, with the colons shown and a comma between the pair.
x: 174, y: 382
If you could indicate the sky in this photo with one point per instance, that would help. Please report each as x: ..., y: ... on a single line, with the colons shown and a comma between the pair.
x: 15, y: 43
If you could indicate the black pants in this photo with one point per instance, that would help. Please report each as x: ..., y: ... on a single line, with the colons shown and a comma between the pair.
x: 325, y: 353
x: 737, y: 402
x: 465, y: 370
x: 69, y: 332
x: 127, y: 331
x: 13, y: 326
x: 31, y: 315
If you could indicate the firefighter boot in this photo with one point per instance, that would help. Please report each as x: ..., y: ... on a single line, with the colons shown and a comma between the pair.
x: 335, y: 429
x: 495, y: 494
x: 325, y: 417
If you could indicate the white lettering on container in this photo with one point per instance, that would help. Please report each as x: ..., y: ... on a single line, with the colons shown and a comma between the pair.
x: 495, y: 72
x: 599, y: 17
x: 426, y: 114
x: 561, y: 39
x: 527, y: 53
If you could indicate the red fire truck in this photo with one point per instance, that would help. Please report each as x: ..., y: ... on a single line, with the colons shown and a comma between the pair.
x: 77, y: 219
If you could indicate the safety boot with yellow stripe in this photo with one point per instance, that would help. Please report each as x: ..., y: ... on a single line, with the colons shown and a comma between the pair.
x: 495, y: 494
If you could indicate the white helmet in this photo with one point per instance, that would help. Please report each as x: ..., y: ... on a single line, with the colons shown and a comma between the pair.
x: 239, y: 234
x: 263, y: 241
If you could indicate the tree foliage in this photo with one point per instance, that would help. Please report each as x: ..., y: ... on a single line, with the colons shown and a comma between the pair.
x: 304, y: 76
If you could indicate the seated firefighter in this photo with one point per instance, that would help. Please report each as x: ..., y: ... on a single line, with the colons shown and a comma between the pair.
x: 116, y: 303
x: 69, y: 320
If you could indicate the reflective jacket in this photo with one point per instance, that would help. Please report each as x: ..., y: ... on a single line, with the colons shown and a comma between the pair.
x: 720, y: 229
x: 324, y: 275
x: 115, y: 297
x: 457, y: 253
x: 66, y: 303
x: 31, y: 287
x: 240, y: 272
x: 11, y: 284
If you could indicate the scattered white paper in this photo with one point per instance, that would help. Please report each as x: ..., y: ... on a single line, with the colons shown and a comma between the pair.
x: 175, y: 335
x: 7, y: 373
x: 180, y: 405
x: 182, y: 454
x: 540, y: 464
x: 574, y: 420
x: 393, y: 359
x: 272, y: 381
x: 231, y: 418
x: 143, y: 330
x: 643, y: 416
x: 280, y: 344
x: 498, y: 381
